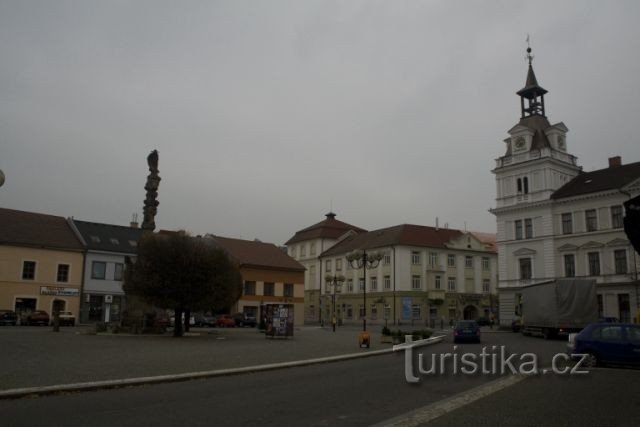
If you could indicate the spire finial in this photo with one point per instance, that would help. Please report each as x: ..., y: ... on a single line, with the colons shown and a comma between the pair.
x: 529, y: 56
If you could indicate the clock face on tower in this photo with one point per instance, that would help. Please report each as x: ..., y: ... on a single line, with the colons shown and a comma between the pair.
x: 519, y: 143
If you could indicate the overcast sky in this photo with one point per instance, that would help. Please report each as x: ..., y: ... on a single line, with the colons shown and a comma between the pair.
x: 268, y: 113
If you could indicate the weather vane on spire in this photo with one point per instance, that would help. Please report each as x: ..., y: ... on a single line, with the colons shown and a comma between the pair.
x: 529, y: 56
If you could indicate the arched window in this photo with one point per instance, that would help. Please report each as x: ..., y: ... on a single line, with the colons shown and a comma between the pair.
x: 526, y: 184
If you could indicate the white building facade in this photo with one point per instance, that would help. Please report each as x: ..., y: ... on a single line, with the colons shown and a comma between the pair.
x: 552, y: 219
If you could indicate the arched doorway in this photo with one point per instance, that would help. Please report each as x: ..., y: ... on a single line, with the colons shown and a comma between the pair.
x: 470, y: 312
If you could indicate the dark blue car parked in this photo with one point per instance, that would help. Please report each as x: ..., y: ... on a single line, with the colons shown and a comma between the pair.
x: 466, y: 330
x: 607, y: 343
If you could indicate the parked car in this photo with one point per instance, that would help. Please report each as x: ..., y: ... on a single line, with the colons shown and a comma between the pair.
x: 607, y: 343
x: 38, y: 317
x: 608, y: 320
x: 8, y: 317
x: 204, y: 320
x: 466, y: 330
x: 243, y: 319
x: 67, y: 318
x: 225, y: 321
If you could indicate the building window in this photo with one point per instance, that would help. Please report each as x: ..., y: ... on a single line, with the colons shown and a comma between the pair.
x: 415, y: 312
x: 485, y: 264
x: 288, y: 290
x: 468, y: 261
x: 437, y: 282
x: 303, y: 251
x: 387, y: 282
x: 327, y: 265
x: 338, y: 264
x: 519, y: 185
x: 525, y: 268
x: 349, y: 311
x: 620, y: 258
x: 361, y: 311
x: 249, y: 288
x: 567, y: 223
x: 518, y: 229
x: 451, y: 260
x: 361, y: 284
x: 433, y: 259
x: 312, y: 270
x: 63, y: 273
x: 312, y: 249
x: 415, y: 258
x: 374, y: 312
x: 616, y: 217
x: 594, y: 263
x: 292, y: 251
x: 569, y: 265
x: 118, y: 271
x: 528, y: 228
x: 486, y: 286
x: 349, y: 285
x: 525, y: 182
x: 451, y: 284
x: 387, y: 259
x: 591, y: 218
x: 373, y: 283
x: 269, y: 289
x: 416, y: 282
x: 98, y: 270
x: 28, y: 270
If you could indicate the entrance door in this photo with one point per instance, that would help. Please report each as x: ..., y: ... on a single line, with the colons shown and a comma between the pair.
x: 24, y: 307
x: 58, y: 305
x: 470, y: 312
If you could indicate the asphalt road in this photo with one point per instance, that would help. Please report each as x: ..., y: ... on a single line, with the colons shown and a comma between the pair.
x: 358, y: 392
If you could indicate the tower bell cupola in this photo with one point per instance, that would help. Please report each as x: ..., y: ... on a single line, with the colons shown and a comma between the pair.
x: 532, y: 94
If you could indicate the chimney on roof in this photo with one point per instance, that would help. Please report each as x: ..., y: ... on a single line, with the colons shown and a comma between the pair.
x: 330, y: 215
x: 134, y: 221
x: 614, y: 162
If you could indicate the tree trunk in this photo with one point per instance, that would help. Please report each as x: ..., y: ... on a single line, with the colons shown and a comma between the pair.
x: 187, y: 318
x: 177, y: 323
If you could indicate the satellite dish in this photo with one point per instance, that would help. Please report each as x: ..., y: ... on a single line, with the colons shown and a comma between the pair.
x: 1, y: 177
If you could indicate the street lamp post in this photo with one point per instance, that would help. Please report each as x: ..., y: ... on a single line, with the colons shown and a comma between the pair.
x: 335, y: 282
x: 363, y: 260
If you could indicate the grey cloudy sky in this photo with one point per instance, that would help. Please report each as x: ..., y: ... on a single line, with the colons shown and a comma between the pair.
x: 266, y: 112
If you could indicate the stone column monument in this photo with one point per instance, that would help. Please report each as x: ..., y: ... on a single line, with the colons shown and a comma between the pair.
x: 150, y: 203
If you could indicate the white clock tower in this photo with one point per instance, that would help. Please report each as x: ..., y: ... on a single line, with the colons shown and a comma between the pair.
x: 535, y: 164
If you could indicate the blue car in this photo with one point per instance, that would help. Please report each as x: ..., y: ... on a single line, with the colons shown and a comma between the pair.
x: 466, y: 330
x: 607, y: 344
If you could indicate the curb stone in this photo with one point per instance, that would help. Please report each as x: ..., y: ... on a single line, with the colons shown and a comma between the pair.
x: 127, y: 382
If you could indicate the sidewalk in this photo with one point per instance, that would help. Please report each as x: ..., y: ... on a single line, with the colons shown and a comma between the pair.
x: 39, y: 357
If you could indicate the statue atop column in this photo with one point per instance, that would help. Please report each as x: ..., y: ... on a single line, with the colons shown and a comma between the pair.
x: 150, y: 203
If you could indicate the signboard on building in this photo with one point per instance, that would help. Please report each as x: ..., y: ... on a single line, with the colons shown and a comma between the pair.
x: 406, y: 308
x: 59, y: 291
x: 279, y: 320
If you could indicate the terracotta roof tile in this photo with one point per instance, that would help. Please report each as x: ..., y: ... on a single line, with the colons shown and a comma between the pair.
x: 330, y: 228
x: 257, y: 254
x: 405, y: 234
x: 36, y: 229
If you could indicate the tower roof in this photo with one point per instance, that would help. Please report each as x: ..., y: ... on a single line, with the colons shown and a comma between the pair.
x: 330, y: 228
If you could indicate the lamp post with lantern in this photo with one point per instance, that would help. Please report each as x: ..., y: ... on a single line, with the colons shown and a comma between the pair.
x: 334, y: 281
x: 363, y: 260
